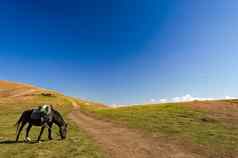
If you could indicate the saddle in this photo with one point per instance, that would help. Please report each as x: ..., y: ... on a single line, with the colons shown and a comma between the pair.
x: 41, y: 114
x: 36, y: 114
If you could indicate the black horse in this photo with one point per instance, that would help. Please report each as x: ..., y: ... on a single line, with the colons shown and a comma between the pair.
x: 55, y: 118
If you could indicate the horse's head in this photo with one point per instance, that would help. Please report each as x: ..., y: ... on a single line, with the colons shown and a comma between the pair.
x: 63, y: 131
x: 58, y: 119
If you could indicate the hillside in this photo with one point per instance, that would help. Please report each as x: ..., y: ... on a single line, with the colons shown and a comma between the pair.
x: 12, y: 92
x: 198, y: 129
x: 17, y: 97
x: 206, y: 128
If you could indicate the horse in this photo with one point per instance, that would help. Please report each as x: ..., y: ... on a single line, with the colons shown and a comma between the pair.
x: 56, y: 118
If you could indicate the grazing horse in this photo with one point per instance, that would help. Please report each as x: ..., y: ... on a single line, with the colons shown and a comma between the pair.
x: 54, y: 116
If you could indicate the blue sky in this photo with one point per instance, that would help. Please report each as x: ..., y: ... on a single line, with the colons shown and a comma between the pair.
x: 122, y: 51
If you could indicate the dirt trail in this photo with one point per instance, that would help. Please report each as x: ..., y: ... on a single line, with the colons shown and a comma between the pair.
x: 121, y: 142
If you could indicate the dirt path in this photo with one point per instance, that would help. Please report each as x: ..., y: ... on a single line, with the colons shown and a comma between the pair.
x: 121, y: 142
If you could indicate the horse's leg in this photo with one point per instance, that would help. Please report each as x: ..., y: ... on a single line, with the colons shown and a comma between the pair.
x: 27, y: 133
x: 49, y: 131
x: 20, y: 129
x: 41, y: 132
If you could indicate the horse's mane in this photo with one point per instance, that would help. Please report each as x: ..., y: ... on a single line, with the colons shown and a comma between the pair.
x: 58, y: 114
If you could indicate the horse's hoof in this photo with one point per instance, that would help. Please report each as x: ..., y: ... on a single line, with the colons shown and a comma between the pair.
x: 27, y: 139
x: 39, y: 142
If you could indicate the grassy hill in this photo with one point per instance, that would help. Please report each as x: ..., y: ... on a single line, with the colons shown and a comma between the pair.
x: 209, y: 128
x: 14, y: 99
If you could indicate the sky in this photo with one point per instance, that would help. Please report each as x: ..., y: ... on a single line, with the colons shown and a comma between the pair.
x: 122, y: 51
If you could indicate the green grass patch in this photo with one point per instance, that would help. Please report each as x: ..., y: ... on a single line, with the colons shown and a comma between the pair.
x: 178, y: 122
x: 77, y: 143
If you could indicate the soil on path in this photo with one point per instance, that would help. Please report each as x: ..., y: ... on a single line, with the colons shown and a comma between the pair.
x: 120, y: 142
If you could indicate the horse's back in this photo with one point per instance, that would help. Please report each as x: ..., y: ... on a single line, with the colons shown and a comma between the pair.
x: 36, y: 114
x: 29, y: 114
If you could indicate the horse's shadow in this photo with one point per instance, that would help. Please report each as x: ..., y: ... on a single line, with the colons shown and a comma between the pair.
x: 10, y: 142
x: 19, y: 142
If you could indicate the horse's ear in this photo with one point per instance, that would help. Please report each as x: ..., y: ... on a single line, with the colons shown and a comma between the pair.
x: 51, y: 106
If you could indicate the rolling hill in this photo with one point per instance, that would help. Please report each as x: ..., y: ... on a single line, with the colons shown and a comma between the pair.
x: 206, y: 128
x: 198, y: 129
x: 17, y: 97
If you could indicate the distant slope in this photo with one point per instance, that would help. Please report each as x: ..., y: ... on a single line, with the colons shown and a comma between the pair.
x: 21, y: 93
x: 13, y: 85
x: 26, y: 94
x: 16, y: 98
x: 206, y: 127
x: 87, y: 106
x: 11, y: 89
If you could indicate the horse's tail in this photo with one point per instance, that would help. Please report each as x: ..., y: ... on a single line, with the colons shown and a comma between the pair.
x: 19, y: 122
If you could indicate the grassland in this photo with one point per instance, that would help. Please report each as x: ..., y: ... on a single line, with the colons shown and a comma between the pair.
x: 204, y: 130
x: 209, y: 129
x: 77, y: 143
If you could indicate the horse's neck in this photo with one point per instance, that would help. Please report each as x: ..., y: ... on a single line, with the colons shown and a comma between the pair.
x: 57, y: 119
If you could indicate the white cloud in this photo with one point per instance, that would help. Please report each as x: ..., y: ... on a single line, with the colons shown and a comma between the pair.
x: 228, y: 97
x: 114, y: 105
x: 189, y: 97
x: 152, y: 100
x: 163, y: 100
x: 185, y: 98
